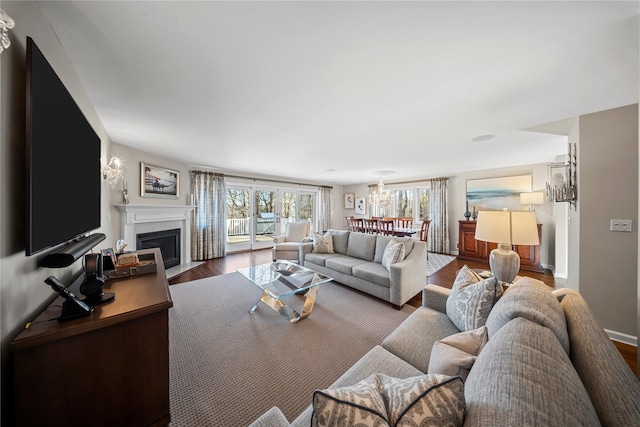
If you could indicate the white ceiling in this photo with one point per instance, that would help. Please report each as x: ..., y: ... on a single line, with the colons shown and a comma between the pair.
x: 295, y: 89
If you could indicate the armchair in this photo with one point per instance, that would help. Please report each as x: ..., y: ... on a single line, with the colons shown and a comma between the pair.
x: 289, y: 246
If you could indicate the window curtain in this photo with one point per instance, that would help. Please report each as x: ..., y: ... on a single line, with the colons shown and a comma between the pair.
x: 325, y: 208
x: 209, y: 218
x: 439, y: 230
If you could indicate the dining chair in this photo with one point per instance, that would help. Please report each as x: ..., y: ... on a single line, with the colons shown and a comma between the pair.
x: 424, y: 233
x: 406, y: 222
x: 370, y: 225
x: 349, y: 223
x: 386, y: 227
x: 357, y: 224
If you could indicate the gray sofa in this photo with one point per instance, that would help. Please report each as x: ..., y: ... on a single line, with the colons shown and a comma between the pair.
x: 547, y: 362
x: 357, y: 263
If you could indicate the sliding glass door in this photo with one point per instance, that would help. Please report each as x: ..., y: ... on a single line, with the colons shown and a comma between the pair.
x: 255, y: 215
x: 265, y: 224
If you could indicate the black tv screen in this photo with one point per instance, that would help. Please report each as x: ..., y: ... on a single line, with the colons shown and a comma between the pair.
x: 63, y: 161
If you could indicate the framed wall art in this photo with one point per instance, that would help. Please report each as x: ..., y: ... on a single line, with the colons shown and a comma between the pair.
x: 349, y: 200
x: 495, y: 194
x: 157, y: 181
x: 361, y: 205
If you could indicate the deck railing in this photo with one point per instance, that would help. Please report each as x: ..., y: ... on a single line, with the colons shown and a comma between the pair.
x: 241, y: 226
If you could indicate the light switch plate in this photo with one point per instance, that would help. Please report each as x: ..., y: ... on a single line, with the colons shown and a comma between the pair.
x: 621, y: 225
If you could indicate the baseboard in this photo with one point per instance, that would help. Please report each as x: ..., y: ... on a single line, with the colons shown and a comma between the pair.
x: 623, y: 338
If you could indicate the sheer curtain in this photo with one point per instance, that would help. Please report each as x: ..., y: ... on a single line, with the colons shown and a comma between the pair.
x: 325, y: 208
x: 209, y: 218
x: 439, y: 229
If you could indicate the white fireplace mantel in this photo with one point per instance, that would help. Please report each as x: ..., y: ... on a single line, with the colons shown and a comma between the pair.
x: 148, y: 218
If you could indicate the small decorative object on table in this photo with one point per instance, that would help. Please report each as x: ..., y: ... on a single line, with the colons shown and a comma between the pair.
x: 475, y: 214
x: 127, y: 260
x: 467, y: 214
x: 120, y: 245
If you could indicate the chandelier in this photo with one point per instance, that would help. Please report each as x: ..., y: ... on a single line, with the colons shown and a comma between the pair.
x: 6, y: 23
x: 380, y: 197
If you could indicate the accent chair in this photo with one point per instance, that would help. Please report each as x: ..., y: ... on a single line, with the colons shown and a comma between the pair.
x: 289, y: 246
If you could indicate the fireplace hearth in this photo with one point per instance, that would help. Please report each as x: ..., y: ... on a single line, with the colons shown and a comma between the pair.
x: 167, y: 240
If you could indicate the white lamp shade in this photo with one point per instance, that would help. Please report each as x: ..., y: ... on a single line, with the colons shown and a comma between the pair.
x: 533, y: 198
x: 494, y: 226
x: 524, y: 228
x: 514, y: 228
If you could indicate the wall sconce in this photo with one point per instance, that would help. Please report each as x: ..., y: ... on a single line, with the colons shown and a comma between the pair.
x: 562, y: 178
x: 533, y: 198
x: 6, y: 23
x: 113, y: 171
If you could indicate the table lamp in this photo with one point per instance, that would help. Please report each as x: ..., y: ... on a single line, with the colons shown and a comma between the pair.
x: 506, y: 229
x: 532, y: 198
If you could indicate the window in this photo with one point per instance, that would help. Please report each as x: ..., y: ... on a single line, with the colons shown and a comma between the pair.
x: 423, y: 203
x: 403, y: 203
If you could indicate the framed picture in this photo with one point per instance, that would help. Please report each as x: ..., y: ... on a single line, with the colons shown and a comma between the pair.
x: 108, y: 259
x: 494, y: 194
x: 156, y: 181
x: 361, y: 205
x: 349, y: 200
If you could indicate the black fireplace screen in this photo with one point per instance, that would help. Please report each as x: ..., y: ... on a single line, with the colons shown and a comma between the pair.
x: 167, y: 240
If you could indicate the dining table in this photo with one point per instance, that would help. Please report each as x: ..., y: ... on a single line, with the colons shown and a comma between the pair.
x: 404, y: 232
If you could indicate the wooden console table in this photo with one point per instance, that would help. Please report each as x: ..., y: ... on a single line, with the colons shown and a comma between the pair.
x: 109, y: 369
x: 475, y: 250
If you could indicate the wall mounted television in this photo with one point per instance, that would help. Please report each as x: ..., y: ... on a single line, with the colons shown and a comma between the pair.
x: 63, y: 161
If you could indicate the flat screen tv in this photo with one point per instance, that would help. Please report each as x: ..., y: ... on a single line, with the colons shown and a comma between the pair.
x: 63, y: 161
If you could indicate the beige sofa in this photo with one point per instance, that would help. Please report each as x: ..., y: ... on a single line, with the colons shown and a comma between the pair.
x: 547, y: 362
x: 357, y: 263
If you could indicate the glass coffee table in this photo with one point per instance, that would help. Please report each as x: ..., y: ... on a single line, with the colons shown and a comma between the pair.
x: 278, y: 280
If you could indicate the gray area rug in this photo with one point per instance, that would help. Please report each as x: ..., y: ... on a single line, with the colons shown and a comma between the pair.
x: 437, y: 261
x: 228, y: 366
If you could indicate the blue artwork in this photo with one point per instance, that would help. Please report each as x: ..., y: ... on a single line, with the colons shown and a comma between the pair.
x: 495, y: 194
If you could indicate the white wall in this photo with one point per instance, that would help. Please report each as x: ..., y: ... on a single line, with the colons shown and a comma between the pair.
x: 131, y: 159
x: 22, y: 288
x: 608, y: 189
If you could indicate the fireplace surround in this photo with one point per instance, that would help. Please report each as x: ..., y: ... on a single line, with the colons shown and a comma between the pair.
x: 140, y: 219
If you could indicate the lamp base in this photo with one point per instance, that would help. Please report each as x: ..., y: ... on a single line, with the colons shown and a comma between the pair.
x: 504, y: 263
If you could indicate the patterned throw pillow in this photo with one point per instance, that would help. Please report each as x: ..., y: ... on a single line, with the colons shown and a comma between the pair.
x: 456, y: 354
x: 360, y: 404
x: 471, y: 299
x: 394, y: 252
x: 380, y: 400
x: 323, y: 244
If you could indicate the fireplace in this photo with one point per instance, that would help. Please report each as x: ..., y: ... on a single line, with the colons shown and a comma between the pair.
x: 167, y: 240
x: 142, y: 219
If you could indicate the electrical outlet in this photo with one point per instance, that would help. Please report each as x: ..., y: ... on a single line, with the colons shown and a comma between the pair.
x: 620, y: 225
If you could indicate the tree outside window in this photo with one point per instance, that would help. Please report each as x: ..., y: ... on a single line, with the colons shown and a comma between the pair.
x: 423, y: 198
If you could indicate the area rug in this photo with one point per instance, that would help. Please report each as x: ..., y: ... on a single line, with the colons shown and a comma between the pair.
x: 437, y: 261
x: 227, y: 366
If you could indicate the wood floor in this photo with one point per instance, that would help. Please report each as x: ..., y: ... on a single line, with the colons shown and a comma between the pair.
x: 443, y: 277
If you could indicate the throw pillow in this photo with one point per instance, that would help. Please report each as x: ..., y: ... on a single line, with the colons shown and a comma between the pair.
x: 394, y: 252
x: 471, y: 299
x: 456, y: 354
x: 427, y: 400
x: 323, y: 244
x: 360, y: 404
x: 530, y: 299
x: 380, y: 400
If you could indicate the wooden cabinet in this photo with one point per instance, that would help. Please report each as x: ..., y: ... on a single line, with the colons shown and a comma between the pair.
x: 474, y: 250
x: 109, y: 369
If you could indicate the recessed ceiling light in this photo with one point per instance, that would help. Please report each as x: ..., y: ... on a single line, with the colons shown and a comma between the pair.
x: 482, y: 137
x: 331, y: 170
